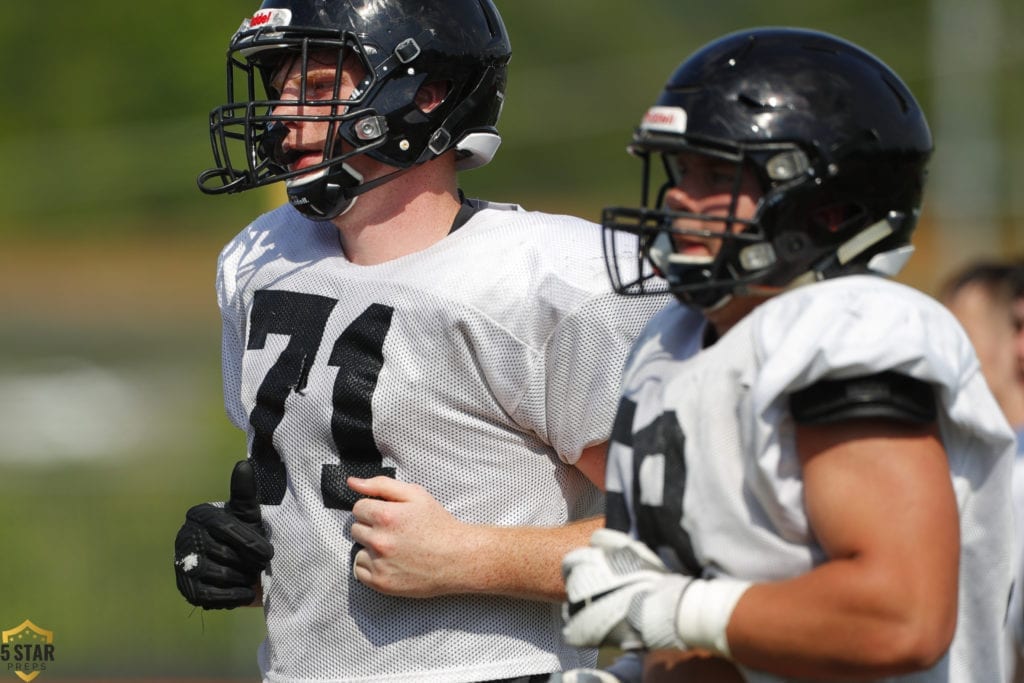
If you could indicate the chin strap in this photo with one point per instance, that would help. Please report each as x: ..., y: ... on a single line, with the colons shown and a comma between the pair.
x: 887, y: 263
x: 760, y: 255
x: 331, y: 198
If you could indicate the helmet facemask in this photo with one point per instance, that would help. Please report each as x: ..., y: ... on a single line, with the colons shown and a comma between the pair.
x: 803, y: 228
x: 739, y: 251
x: 248, y: 132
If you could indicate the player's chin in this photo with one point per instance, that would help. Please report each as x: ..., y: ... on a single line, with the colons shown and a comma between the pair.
x: 692, y: 666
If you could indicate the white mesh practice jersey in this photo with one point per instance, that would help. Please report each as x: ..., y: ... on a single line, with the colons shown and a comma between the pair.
x: 703, y: 465
x: 479, y: 368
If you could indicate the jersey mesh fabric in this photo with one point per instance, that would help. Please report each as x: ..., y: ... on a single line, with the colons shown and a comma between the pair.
x: 477, y: 368
x: 735, y: 504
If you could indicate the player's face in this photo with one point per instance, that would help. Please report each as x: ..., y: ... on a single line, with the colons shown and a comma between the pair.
x: 304, y: 146
x: 1018, y: 335
x: 705, y: 185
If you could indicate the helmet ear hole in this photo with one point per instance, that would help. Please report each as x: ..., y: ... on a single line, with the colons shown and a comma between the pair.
x: 432, y: 95
x: 835, y: 219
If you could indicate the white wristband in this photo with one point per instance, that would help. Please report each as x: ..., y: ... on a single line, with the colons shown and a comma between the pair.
x: 704, y: 612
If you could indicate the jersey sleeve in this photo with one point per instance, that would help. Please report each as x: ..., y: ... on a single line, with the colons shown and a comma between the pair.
x: 838, y: 330
x: 571, y: 333
x: 583, y: 360
x: 862, y: 326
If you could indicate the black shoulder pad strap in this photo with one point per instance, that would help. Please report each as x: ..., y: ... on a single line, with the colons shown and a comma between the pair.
x: 887, y: 395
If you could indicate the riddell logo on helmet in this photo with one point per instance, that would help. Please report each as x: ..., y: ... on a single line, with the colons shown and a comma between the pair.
x: 271, y: 17
x: 666, y: 119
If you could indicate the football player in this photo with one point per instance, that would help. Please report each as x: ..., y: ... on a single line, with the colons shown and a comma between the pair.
x: 981, y: 297
x: 822, y: 492
x: 985, y: 296
x: 426, y: 381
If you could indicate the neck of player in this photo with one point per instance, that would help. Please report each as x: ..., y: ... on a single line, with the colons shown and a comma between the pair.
x: 401, y: 217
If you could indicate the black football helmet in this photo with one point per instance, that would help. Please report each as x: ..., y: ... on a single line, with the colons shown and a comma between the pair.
x: 836, y: 140
x: 402, y: 44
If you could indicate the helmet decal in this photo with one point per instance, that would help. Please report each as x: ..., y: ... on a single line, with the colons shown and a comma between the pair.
x: 665, y: 120
x: 270, y: 17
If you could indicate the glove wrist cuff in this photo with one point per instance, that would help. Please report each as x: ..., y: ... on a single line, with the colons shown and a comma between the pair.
x: 703, y: 612
x: 658, y: 620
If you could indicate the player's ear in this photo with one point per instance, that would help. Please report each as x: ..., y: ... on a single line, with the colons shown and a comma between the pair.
x: 430, y: 95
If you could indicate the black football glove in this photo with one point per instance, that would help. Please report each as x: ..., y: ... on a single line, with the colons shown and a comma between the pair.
x: 219, y: 553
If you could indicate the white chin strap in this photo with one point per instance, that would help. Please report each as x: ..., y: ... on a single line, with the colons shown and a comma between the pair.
x: 887, y: 263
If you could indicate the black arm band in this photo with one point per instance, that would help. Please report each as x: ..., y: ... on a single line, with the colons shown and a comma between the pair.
x: 887, y: 395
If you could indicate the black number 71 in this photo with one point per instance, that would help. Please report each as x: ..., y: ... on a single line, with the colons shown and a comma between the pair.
x: 358, y: 354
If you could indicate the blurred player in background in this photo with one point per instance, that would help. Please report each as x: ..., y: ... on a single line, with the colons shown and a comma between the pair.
x: 987, y: 297
x: 822, y: 493
x: 426, y: 381
x: 981, y: 297
x: 1016, y: 617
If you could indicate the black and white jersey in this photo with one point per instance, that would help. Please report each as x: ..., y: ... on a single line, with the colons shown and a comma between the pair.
x: 703, y: 465
x: 479, y: 368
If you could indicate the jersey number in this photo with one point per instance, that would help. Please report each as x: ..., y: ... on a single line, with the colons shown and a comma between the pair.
x: 659, y: 463
x: 358, y: 354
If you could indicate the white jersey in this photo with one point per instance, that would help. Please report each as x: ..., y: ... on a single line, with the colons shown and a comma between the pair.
x: 479, y: 368
x: 703, y: 465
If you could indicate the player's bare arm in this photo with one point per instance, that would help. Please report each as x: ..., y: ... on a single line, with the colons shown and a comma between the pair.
x: 413, y: 547
x: 881, y: 605
x: 592, y: 463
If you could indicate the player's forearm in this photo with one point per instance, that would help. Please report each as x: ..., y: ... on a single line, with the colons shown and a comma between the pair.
x: 834, y: 624
x: 521, y: 562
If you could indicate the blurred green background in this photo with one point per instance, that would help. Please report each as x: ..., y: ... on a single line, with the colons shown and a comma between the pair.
x: 110, y: 417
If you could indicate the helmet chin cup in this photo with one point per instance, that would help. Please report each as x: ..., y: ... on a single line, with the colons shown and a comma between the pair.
x: 326, y: 194
x: 690, y: 276
x: 693, y: 284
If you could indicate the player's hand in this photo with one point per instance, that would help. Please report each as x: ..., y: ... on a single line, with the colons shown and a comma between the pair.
x: 620, y: 593
x: 220, y: 552
x: 411, y: 543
